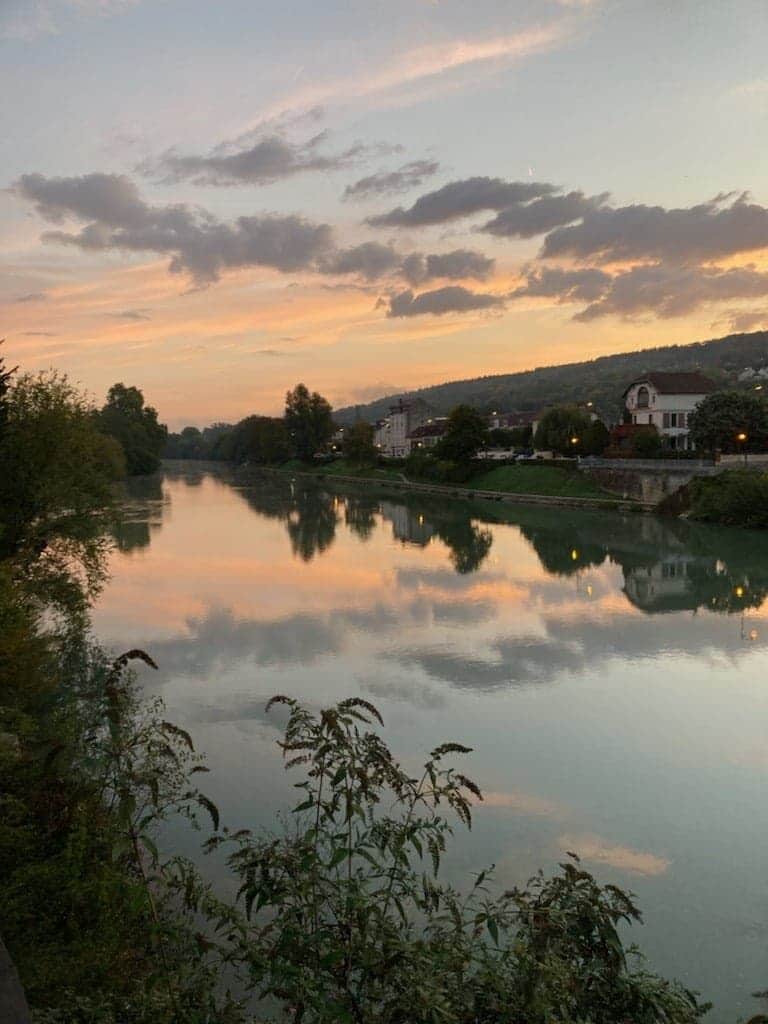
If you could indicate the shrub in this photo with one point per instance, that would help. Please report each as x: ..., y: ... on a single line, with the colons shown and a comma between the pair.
x: 419, y: 466
x: 349, y: 922
x: 736, y: 497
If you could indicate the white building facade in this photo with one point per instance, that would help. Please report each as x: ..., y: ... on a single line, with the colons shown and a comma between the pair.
x: 391, y: 435
x: 666, y: 401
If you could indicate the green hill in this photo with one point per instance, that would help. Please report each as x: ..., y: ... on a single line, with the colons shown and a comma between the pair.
x: 601, y: 381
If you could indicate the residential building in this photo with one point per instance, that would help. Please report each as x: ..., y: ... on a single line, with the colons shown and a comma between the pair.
x: 404, y: 417
x: 427, y: 435
x: 666, y: 401
x: 514, y: 420
x: 381, y: 435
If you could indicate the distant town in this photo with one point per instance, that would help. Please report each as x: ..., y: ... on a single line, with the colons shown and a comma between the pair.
x: 657, y: 402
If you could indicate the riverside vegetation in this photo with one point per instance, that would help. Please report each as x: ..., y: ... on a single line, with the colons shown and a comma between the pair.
x: 340, y: 914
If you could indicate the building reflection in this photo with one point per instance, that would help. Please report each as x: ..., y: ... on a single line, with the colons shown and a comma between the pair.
x: 667, y: 565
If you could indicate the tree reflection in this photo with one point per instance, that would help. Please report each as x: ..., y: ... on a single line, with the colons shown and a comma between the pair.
x: 468, y: 544
x: 360, y: 515
x: 141, y: 513
x: 312, y: 523
x: 667, y: 565
x: 561, y: 553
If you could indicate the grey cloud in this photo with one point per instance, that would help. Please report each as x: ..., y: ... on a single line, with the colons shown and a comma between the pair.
x: 526, y: 220
x: 131, y: 314
x: 271, y: 158
x: 371, y: 260
x: 391, y: 182
x: 452, y: 299
x: 31, y: 297
x: 663, y: 290
x: 110, y: 199
x: 584, y: 285
x: 461, y: 199
x: 674, y: 291
x: 196, y: 241
x: 744, y: 320
x: 712, y: 230
x: 39, y: 334
x: 456, y: 265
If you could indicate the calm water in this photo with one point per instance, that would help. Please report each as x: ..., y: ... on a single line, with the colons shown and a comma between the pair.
x: 611, y: 674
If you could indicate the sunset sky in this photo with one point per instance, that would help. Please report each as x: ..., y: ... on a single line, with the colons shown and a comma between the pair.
x: 213, y: 201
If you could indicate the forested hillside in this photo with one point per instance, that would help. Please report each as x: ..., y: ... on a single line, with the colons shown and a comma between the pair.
x: 601, y: 381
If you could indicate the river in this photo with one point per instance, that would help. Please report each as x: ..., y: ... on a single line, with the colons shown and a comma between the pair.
x: 611, y: 674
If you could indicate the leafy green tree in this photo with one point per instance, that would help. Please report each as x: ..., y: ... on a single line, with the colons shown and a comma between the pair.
x: 135, y: 426
x: 719, y: 419
x: 262, y: 440
x: 57, y: 471
x: 734, y: 498
x: 358, y: 444
x: 563, y: 429
x: 646, y: 443
x: 5, y: 383
x: 308, y: 420
x: 466, y: 433
x: 596, y: 438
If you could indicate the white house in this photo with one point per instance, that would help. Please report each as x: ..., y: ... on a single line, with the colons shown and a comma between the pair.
x: 392, y: 437
x: 665, y: 401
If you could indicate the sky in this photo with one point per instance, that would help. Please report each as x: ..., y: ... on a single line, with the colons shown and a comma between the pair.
x: 213, y: 201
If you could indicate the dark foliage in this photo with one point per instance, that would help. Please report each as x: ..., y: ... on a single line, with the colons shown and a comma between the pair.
x: 733, y: 498
x: 730, y: 421
x: 466, y: 433
x: 358, y: 444
x: 135, y: 426
x: 308, y: 420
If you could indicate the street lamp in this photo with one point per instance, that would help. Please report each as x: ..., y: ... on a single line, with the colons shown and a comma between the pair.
x: 742, y: 438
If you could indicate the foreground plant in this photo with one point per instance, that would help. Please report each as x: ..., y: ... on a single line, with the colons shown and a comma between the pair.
x: 348, y: 922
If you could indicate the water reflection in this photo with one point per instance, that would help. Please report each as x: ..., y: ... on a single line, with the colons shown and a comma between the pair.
x: 143, y: 508
x: 608, y: 670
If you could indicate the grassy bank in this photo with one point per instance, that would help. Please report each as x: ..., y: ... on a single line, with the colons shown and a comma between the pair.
x: 549, y: 481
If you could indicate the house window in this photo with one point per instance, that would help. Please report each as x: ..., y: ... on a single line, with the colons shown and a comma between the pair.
x: 666, y: 420
x: 642, y: 397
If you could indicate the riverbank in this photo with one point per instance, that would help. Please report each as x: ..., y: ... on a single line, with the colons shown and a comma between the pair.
x: 526, y: 485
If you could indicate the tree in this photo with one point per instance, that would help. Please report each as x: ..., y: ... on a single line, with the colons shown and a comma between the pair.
x: 5, y: 385
x: 262, y: 440
x: 57, y: 472
x: 718, y: 421
x: 358, y: 444
x: 596, y: 438
x: 465, y: 434
x: 309, y: 421
x: 646, y: 443
x: 135, y: 426
x: 563, y: 429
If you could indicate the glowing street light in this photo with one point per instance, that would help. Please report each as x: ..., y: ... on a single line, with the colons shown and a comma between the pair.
x: 741, y: 437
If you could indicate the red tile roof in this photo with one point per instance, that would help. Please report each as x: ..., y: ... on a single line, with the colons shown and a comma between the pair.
x: 677, y: 383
